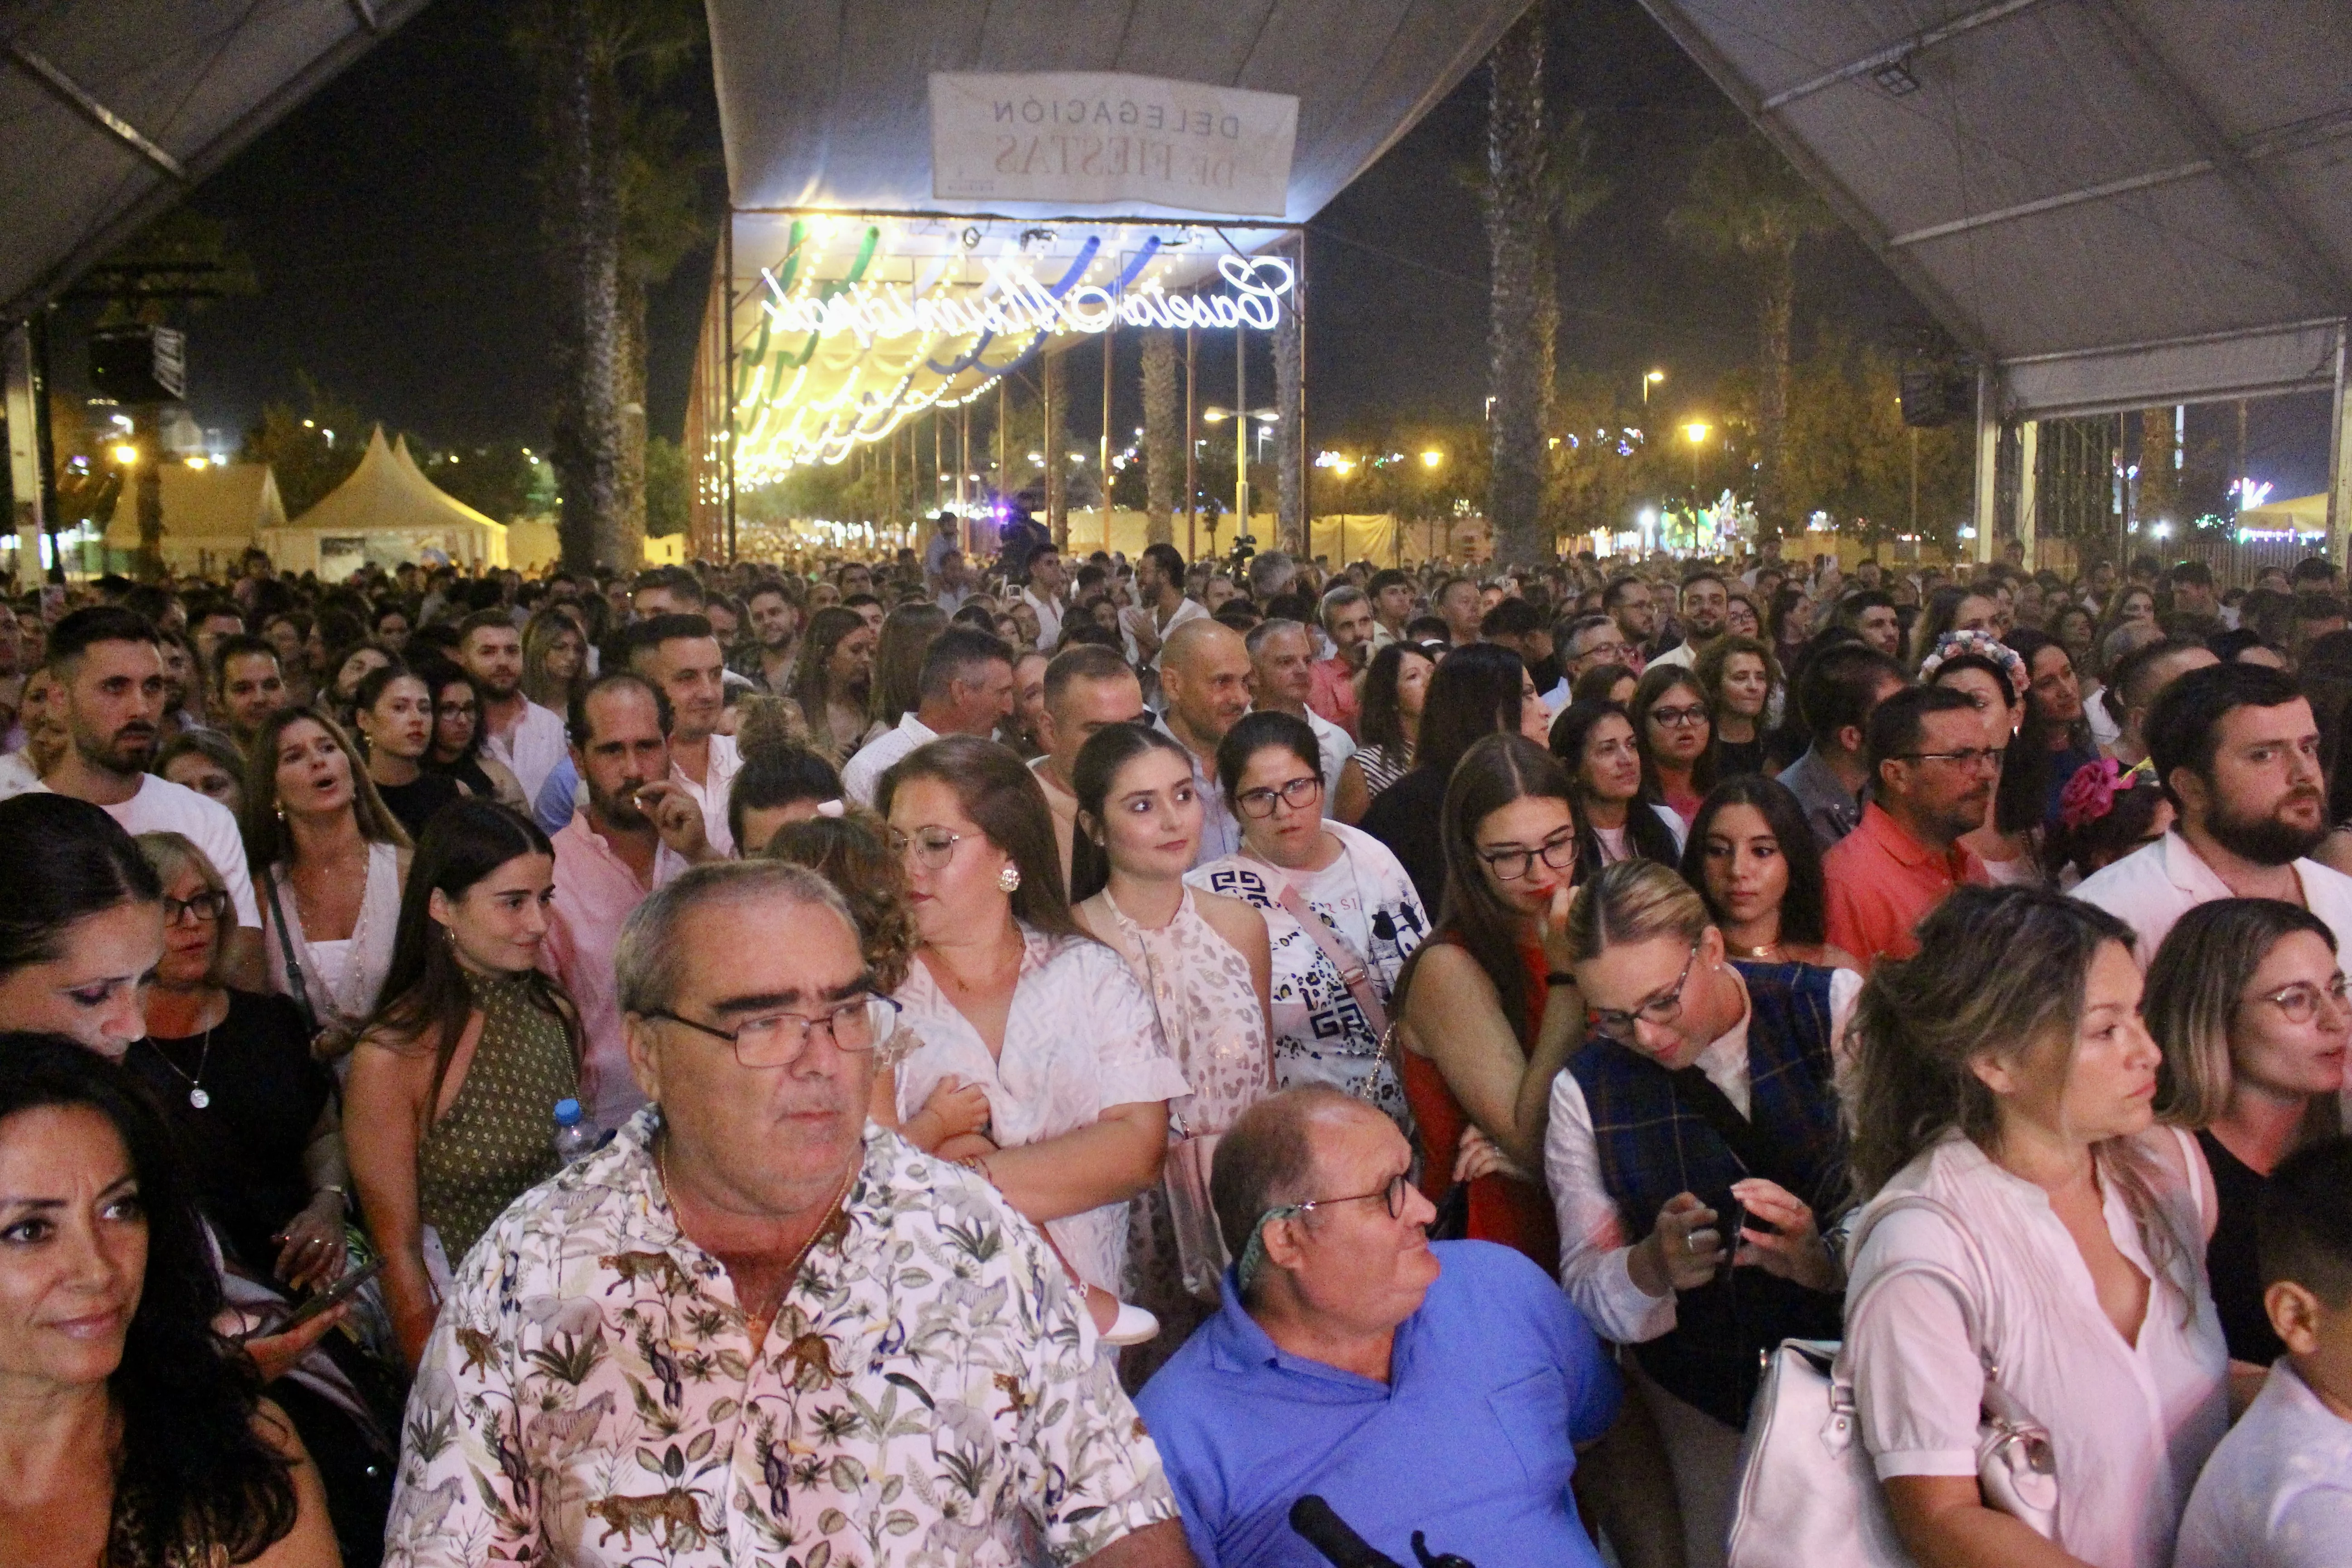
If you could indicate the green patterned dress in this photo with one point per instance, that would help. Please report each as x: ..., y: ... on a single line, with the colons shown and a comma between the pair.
x: 497, y: 1141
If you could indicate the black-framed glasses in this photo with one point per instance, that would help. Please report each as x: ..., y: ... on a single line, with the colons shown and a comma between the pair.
x: 1509, y: 864
x: 2299, y: 1002
x: 1678, y: 718
x: 930, y: 848
x: 1297, y: 794
x: 203, y: 909
x: 1967, y: 758
x: 777, y: 1039
x: 1617, y: 1023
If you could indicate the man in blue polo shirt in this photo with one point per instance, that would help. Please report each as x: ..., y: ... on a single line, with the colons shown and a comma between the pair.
x: 1411, y: 1387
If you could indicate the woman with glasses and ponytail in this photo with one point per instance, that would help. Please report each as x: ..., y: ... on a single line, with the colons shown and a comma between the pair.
x: 1696, y: 1154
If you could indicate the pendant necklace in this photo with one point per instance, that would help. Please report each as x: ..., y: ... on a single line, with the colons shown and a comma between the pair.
x: 197, y: 1097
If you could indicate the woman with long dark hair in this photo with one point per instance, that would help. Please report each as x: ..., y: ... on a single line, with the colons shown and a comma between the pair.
x: 1671, y: 724
x: 81, y: 927
x: 1594, y: 742
x: 393, y: 710
x: 1486, y: 1013
x: 452, y: 1089
x: 832, y: 682
x: 1010, y: 994
x: 1205, y: 962
x: 1753, y: 859
x: 2003, y: 1076
x: 457, y: 733
x: 329, y: 859
x: 1388, y: 721
x: 2054, y: 740
x: 1474, y: 692
x: 133, y: 1433
x: 2246, y: 997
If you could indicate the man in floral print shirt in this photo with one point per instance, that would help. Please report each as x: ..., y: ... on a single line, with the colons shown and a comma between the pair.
x: 753, y: 1329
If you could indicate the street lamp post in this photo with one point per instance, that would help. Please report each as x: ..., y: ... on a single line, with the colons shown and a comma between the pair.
x: 1648, y: 382
x: 1698, y: 431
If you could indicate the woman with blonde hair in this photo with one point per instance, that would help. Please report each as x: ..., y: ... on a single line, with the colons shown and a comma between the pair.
x: 908, y: 633
x: 2023, y: 1211
x: 330, y: 859
x: 554, y: 659
x: 2246, y: 997
x: 1696, y: 1156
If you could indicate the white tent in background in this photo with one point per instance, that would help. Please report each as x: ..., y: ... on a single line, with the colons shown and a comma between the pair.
x: 212, y: 515
x: 386, y: 513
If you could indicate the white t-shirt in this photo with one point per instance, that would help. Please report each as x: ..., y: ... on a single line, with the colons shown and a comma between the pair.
x: 17, y: 775
x: 2277, y: 1493
x: 163, y: 806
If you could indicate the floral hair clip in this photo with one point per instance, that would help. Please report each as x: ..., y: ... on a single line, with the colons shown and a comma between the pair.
x: 2091, y: 793
x: 1985, y: 645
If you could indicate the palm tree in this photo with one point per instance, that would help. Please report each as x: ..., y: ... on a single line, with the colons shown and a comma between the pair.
x: 662, y: 220
x: 1523, y: 310
x: 1745, y: 200
x: 1162, y: 459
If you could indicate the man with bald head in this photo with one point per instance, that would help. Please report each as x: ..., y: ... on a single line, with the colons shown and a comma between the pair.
x: 1204, y: 675
x: 1354, y: 1360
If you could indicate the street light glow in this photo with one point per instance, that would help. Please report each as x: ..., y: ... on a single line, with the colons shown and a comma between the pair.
x: 1698, y: 430
x: 1431, y: 458
x: 1655, y: 375
x: 1214, y: 416
x: 126, y: 455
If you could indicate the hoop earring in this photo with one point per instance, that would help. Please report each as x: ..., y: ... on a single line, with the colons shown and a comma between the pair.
x: 1009, y: 878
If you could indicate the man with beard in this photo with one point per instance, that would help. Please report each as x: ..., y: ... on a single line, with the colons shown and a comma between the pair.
x: 248, y: 687
x: 109, y: 693
x: 1935, y: 778
x: 1627, y: 599
x: 1707, y: 602
x: 776, y: 639
x: 516, y: 730
x: 639, y: 832
x: 680, y: 655
x: 1870, y: 614
x: 2238, y: 753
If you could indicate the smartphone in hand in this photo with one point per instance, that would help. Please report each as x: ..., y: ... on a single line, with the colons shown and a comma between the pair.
x: 317, y: 1301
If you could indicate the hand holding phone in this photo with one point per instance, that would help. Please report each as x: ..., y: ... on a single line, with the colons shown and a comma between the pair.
x: 317, y: 1301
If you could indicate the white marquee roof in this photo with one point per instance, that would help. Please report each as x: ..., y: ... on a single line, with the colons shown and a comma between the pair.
x: 111, y: 111
x: 2121, y: 203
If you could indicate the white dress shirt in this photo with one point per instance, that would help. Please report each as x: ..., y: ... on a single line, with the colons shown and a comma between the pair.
x: 1049, y: 619
x: 1337, y: 746
x: 864, y: 774
x: 533, y: 750
x: 1594, y: 1246
x: 2150, y: 890
x: 725, y: 761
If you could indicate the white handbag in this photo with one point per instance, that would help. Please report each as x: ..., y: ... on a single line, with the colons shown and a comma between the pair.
x: 1808, y: 1496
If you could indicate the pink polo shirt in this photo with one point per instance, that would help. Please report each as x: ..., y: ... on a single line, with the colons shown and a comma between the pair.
x: 1333, y: 694
x: 594, y: 892
x: 1881, y: 881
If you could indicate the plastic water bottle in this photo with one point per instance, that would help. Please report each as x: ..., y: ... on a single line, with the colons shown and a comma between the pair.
x: 574, y: 1139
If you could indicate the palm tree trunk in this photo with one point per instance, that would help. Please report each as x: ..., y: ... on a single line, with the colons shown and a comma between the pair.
x: 1159, y: 436
x: 583, y: 223
x: 1519, y: 327
x: 1772, y: 398
x: 626, y: 545
x: 1058, y: 500
x: 1290, y: 525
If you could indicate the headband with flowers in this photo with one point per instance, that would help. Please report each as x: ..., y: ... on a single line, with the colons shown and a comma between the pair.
x: 1984, y: 644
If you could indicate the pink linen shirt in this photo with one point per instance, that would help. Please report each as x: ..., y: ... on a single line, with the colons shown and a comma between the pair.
x: 594, y: 892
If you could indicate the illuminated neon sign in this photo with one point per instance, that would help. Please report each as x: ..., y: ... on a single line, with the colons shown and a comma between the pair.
x: 1016, y: 303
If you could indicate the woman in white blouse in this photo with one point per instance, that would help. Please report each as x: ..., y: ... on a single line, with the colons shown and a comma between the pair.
x: 329, y: 861
x: 2005, y: 1074
x: 1010, y: 994
x: 1297, y: 864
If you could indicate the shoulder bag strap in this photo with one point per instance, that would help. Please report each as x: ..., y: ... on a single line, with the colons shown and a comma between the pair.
x: 285, y: 946
x: 1354, y: 972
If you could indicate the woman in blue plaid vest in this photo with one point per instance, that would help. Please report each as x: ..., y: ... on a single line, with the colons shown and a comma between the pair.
x: 1695, y: 1153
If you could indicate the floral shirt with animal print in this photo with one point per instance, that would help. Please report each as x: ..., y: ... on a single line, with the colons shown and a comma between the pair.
x: 928, y: 1394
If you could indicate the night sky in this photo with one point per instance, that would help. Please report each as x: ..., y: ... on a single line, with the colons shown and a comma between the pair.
x: 394, y: 227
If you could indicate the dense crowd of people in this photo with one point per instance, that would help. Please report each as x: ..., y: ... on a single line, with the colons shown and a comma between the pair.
x: 896, y: 1061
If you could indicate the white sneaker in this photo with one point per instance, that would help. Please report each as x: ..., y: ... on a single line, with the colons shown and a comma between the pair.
x: 1132, y: 1326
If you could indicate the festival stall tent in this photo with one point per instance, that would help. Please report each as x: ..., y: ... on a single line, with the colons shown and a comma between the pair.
x: 927, y: 195
x: 386, y: 513
x: 212, y: 515
x: 2111, y: 205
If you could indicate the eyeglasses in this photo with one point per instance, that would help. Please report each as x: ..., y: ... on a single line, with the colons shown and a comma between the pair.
x: 1297, y: 794
x: 777, y: 1039
x: 930, y: 848
x: 203, y: 909
x: 1966, y: 759
x: 1663, y: 1008
x: 1253, y: 1256
x: 2299, y: 1002
x: 1678, y: 718
x: 1558, y: 852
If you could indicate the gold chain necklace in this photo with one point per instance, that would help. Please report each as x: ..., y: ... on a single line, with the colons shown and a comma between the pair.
x: 791, y: 1271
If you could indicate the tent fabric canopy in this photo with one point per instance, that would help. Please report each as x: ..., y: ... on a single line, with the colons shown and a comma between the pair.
x: 2116, y: 204
x: 217, y: 510
x: 388, y: 500
x: 111, y: 111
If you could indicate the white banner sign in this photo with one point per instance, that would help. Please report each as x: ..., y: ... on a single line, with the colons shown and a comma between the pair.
x: 1091, y: 137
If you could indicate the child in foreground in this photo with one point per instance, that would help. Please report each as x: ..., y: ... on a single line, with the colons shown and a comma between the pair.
x: 2278, y: 1491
